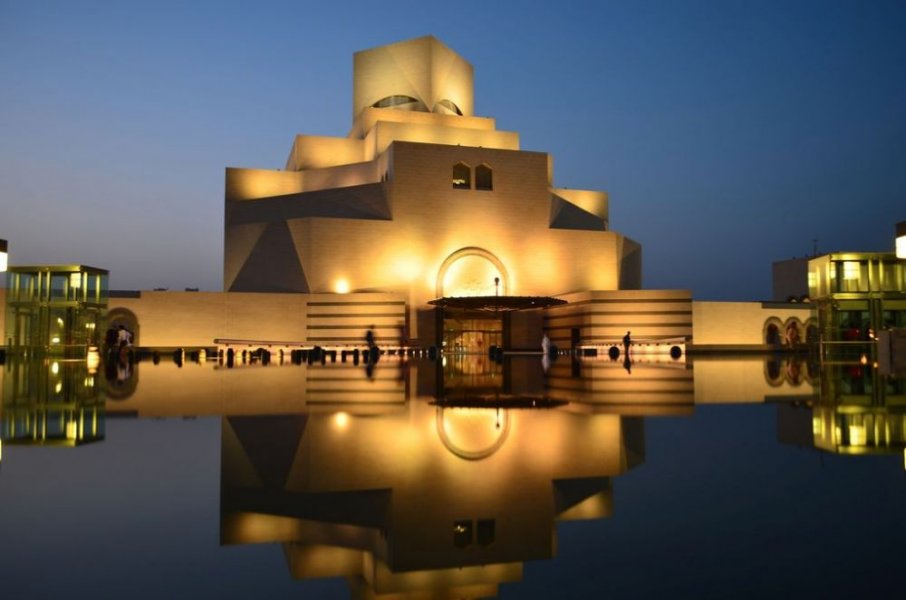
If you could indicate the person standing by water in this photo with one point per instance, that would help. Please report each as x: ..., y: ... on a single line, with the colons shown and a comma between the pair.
x: 627, y: 341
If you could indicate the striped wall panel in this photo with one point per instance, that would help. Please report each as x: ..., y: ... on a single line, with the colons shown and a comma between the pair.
x: 347, y: 385
x: 337, y: 320
x: 604, y: 317
x: 607, y: 386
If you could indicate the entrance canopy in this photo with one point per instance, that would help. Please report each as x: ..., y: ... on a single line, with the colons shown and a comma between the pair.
x: 494, y: 304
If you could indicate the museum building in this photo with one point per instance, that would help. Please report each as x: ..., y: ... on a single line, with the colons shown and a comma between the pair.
x: 425, y: 201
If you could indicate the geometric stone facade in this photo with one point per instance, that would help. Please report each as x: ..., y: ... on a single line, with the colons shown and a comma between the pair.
x: 421, y: 199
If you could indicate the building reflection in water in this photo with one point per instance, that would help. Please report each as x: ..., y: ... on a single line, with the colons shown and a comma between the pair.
x: 51, y: 402
x: 433, y: 477
x: 434, y: 494
x: 859, y: 411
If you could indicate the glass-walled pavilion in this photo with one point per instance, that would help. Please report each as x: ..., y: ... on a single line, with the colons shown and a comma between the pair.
x: 55, y: 310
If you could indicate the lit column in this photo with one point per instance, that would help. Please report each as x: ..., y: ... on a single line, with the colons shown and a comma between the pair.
x: 901, y: 239
x: 4, y: 262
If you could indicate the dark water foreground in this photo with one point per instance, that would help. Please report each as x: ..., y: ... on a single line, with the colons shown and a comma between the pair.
x: 740, y: 478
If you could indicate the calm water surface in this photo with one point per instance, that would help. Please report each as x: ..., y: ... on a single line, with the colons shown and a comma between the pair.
x: 714, y: 478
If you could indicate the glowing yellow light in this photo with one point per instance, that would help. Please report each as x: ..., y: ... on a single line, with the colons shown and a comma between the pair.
x: 817, y: 426
x: 341, y: 286
x: 72, y: 430
x: 75, y: 280
x: 341, y: 420
x: 93, y: 359
x: 473, y: 275
x: 60, y: 321
x: 850, y: 270
x: 202, y: 355
x: 55, y: 368
x: 58, y: 388
x: 3, y: 262
x: 857, y: 435
x: 864, y: 360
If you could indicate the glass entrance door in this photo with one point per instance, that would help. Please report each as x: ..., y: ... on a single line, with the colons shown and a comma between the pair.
x: 472, y: 335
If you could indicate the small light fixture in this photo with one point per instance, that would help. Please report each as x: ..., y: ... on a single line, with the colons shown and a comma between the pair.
x: 4, y: 256
x: 341, y: 286
x: 901, y: 239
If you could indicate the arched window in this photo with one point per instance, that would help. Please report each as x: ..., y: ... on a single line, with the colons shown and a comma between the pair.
x: 400, y: 102
x: 447, y: 107
x: 484, y: 178
x: 462, y: 176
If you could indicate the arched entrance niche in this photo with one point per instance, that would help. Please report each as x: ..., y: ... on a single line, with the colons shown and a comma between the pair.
x: 794, y: 332
x: 772, y: 333
x: 472, y: 434
x: 120, y: 375
x: 125, y: 317
x: 470, y: 272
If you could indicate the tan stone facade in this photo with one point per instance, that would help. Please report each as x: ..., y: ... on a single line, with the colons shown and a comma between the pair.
x: 187, y: 319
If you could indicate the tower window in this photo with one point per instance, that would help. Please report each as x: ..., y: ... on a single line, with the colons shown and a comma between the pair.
x: 462, y: 176
x: 484, y: 178
x: 400, y: 102
x: 447, y: 107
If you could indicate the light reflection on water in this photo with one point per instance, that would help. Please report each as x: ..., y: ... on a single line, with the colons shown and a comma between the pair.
x: 418, y: 477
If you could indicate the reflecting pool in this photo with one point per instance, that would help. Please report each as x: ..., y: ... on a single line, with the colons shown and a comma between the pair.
x: 459, y: 477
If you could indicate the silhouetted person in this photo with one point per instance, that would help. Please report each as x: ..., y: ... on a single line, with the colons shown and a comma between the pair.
x: 627, y: 364
x: 110, y: 339
x: 374, y: 352
x: 627, y: 341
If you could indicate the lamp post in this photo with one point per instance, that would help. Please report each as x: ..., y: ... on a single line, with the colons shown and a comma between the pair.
x: 901, y: 239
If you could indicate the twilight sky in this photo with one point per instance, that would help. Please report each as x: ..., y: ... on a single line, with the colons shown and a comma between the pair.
x: 729, y: 134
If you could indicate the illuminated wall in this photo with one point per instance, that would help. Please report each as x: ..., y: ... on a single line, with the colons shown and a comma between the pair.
x: 603, y: 317
x: 749, y: 325
x: 185, y: 319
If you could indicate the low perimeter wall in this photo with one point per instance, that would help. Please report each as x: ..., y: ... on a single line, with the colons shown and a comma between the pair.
x: 749, y: 325
x: 186, y: 319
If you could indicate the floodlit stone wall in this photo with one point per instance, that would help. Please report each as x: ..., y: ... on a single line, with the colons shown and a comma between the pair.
x: 745, y: 324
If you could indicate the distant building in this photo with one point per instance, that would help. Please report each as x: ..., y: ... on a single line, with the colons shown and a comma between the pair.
x: 790, y: 280
x: 857, y: 294
x: 56, y: 310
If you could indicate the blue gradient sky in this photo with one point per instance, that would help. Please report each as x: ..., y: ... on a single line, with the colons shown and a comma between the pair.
x: 729, y: 134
